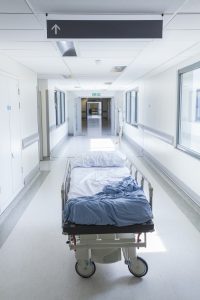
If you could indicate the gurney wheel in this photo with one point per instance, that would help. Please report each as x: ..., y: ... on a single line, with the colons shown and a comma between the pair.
x: 138, y: 268
x: 85, y: 270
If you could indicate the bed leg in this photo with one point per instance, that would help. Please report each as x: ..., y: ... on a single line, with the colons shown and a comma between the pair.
x: 129, y: 254
x: 84, y: 266
x: 83, y: 254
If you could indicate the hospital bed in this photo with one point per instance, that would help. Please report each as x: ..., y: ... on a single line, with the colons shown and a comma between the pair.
x: 104, y: 243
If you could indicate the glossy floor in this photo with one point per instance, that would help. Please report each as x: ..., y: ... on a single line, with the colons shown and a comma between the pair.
x: 35, y: 262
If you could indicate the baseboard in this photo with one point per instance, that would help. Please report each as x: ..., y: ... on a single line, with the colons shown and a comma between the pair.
x: 58, y: 146
x: 32, y: 174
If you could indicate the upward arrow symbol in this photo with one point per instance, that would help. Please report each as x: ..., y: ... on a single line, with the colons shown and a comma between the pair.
x: 55, y: 28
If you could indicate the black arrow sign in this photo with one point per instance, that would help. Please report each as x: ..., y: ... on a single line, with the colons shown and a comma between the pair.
x: 104, y: 29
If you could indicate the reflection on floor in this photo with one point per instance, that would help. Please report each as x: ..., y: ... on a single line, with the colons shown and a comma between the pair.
x: 96, y: 126
x: 36, y: 263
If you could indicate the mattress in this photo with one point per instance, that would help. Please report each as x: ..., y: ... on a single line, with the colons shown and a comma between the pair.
x: 105, y: 196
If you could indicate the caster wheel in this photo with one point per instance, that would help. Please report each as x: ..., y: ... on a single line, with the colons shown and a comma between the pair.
x: 85, y: 270
x: 138, y: 268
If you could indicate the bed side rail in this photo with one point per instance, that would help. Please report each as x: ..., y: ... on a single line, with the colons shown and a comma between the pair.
x: 142, y: 181
x: 65, y: 186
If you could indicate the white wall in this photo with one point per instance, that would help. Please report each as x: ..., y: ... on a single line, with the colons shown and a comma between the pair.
x: 27, y: 81
x: 158, y: 109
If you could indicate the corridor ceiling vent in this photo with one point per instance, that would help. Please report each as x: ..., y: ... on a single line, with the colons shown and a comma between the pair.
x: 108, y: 83
x: 118, y: 69
x: 66, y: 48
x: 66, y: 76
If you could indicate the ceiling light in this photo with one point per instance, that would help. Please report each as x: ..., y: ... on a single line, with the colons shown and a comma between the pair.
x: 66, y: 48
x: 118, y: 69
x: 108, y: 83
x: 77, y: 87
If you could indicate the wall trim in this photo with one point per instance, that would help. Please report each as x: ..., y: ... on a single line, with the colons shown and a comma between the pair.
x: 32, y: 174
x: 156, y: 164
x: 157, y: 133
x: 29, y: 140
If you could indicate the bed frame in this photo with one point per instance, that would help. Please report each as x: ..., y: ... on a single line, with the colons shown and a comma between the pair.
x: 86, y: 239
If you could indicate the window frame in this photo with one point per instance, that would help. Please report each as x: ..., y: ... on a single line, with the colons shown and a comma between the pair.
x: 183, y: 148
x: 60, y: 107
x: 131, y: 121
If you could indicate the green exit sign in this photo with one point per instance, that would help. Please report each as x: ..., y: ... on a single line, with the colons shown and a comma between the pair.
x: 96, y: 94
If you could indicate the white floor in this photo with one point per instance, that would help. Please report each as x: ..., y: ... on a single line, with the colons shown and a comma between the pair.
x: 35, y: 262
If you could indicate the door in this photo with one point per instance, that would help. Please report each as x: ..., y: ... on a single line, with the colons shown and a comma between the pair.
x: 15, y: 136
x: 40, y: 130
x: 5, y: 148
x: 11, y: 177
x: 77, y: 117
x: 112, y: 116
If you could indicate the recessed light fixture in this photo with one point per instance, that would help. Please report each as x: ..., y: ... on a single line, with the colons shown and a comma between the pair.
x: 108, y: 83
x: 66, y: 48
x: 118, y: 69
x: 77, y: 87
x: 97, y: 61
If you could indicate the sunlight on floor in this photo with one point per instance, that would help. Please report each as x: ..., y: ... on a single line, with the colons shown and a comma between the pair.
x: 102, y: 145
x: 154, y: 244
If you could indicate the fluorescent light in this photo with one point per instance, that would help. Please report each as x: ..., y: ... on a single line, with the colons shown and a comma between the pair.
x: 66, y: 48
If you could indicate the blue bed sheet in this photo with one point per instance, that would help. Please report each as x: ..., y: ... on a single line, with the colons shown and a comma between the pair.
x: 119, y: 204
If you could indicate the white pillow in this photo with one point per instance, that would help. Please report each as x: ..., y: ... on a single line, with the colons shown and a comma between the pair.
x: 98, y: 159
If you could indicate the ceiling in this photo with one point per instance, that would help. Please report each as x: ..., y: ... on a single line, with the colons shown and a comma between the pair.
x: 23, y: 38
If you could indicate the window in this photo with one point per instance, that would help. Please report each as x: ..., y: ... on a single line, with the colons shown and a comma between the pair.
x: 198, y: 106
x: 189, y: 110
x: 128, y: 107
x: 59, y: 98
x: 131, y: 107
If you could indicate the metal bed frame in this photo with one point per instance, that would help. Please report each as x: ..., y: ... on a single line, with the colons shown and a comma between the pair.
x: 103, y: 243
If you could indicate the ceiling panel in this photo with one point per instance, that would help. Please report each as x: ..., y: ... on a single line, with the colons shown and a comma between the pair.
x: 191, y: 6
x: 185, y: 21
x: 44, y: 65
x: 30, y: 53
x: 19, y: 21
x: 34, y: 50
x: 14, y: 6
x: 43, y: 46
x: 160, y: 52
x: 23, y: 35
x: 108, y: 6
x: 86, y: 66
x: 110, y: 49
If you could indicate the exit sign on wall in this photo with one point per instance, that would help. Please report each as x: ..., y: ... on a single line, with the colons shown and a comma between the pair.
x: 96, y: 94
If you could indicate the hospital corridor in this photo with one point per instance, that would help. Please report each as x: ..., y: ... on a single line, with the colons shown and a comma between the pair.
x: 99, y: 150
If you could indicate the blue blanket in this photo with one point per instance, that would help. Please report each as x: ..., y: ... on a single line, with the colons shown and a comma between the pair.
x: 119, y: 204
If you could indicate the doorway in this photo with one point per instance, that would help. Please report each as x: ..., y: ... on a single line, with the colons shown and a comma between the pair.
x: 96, y: 116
